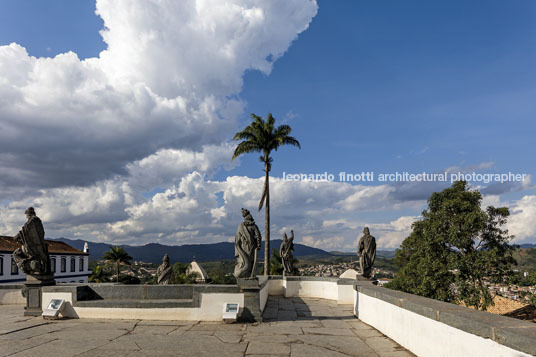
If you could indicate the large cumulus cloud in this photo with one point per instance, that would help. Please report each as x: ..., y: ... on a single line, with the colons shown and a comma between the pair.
x: 168, y: 79
x: 198, y: 209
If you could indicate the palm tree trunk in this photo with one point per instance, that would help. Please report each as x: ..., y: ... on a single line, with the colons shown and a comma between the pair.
x: 267, y: 221
x: 117, y: 271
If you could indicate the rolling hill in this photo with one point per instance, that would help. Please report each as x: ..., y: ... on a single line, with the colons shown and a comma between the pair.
x: 153, y: 252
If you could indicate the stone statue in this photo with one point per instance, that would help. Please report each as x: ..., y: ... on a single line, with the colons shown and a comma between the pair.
x: 164, y: 273
x: 366, y: 249
x: 32, y: 258
x: 286, y: 249
x: 247, y: 245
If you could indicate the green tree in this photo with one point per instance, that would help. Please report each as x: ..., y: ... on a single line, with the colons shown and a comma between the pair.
x: 221, y: 272
x: 117, y: 256
x: 531, y: 279
x: 262, y: 136
x: 276, y: 266
x: 99, y: 275
x: 180, y: 273
x: 455, y: 248
x: 129, y: 280
x: 532, y: 299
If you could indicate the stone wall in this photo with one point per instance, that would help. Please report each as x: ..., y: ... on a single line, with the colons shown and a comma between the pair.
x: 145, y: 302
x: 433, y: 328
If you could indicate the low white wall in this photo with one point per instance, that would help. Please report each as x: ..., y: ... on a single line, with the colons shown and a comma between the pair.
x: 11, y: 297
x: 276, y: 287
x: 424, y: 336
x: 263, y: 294
x: 345, y: 294
x: 210, y: 310
x: 314, y: 289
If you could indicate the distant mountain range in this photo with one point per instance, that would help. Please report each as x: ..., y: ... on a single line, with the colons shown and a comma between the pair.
x: 153, y: 252
x: 527, y: 245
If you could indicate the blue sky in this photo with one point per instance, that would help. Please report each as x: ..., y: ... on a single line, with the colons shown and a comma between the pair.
x: 389, y: 86
x: 407, y: 86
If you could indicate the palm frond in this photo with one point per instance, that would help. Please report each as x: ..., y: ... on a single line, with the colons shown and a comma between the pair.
x: 270, y: 121
x: 246, y: 147
x: 282, y: 130
x: 289, y: 140
x: 245, y: 135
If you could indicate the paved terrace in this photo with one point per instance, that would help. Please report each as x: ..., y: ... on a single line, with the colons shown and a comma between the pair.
x: 292, y: 327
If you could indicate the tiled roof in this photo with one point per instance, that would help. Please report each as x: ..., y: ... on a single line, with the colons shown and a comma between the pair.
x: 8, y: 244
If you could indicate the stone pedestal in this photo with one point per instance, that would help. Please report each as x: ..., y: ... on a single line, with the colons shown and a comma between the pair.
x: 32, y: 293
x: 361, y: 278
x: 252, y: 310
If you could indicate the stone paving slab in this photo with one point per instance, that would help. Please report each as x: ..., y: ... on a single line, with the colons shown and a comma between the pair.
x: 301, y: 327
x: 8, y: 347
x: 273, y: 348
x: 347, y: 345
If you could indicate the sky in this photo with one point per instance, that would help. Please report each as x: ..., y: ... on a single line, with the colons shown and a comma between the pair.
x: 117, y: 117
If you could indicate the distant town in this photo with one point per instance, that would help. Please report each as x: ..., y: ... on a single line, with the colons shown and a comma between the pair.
x: 146, y: 272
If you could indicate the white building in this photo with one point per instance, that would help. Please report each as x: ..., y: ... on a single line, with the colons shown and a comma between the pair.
x: 201, y: 274
x: 68, y: 264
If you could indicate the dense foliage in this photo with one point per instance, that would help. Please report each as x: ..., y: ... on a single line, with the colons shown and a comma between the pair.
x: 181, y: 276
x: 276, y: 266
x: 99, y: 275
x: 455, y: 248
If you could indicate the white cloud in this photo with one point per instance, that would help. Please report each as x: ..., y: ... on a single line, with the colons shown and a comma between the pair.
x: 328, y: 244
x: 368, y: 197
x: 168, y: 80
x: 166, y: 167
x: 191, y: 211
x: 195, y: 209
x: 521, y: 221
x: 392, y: 234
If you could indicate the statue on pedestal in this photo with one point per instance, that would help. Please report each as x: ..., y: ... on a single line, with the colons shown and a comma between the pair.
x: 286, y: 250
x: 32, y: 257
x: 164, y: 273
x: 247, y: 245
x: 366, y: 250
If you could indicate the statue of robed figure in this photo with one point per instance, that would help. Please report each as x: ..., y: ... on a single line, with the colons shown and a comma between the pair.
x: 366, y: 250
x: 32, y: 257
x: 247, y: 245
x: 164, y: 273
x: 286, y: 249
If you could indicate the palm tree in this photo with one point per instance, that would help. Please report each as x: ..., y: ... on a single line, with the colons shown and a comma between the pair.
x: 118, y: 256
x: 262, y: 136
x: 99, y: 275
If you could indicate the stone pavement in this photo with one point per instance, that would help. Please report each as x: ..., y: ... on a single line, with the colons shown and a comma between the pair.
x: 293, y: 327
